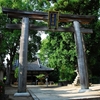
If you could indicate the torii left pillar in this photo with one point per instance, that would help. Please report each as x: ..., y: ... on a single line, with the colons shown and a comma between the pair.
x: 22, y: 79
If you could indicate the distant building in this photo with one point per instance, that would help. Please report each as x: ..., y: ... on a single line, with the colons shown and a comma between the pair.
x: 33, y: 69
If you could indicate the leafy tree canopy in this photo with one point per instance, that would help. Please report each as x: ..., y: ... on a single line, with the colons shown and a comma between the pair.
x: 59, y: 48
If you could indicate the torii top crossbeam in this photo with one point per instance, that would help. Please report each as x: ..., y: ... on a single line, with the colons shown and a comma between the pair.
x: 13, y: 13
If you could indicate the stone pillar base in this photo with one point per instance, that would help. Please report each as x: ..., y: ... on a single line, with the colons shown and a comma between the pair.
x: 84, y: 90
x: 25, y: 94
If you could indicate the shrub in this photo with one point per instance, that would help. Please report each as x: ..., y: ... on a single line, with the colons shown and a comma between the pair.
x: 41, y: 77
x: 16, y: 72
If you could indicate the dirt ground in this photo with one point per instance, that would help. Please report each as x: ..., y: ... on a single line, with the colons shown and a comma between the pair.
x: 9, y: 90
x: 11, y: 97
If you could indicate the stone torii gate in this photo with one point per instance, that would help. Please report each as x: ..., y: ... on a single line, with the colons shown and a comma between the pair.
x: 25, y: 26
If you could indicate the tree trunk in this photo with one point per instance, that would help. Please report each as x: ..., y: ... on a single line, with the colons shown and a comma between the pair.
x: 7, y: 76
x: 1, y: 75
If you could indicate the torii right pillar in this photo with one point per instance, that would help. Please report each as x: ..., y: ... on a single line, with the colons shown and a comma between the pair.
x: 82, y: 62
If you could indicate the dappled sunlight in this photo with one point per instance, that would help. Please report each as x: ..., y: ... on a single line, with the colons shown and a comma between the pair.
x: 66, y: 92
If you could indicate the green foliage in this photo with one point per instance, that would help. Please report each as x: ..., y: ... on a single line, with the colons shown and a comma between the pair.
x: 95, y: 79
x: 54, y: 76
x: 40, y: 77
x: 2, y: 88
x: 92, y: 44
x: 11, y: 38
x: 16, y: 72
x: 66, y: 73
x: 58, y: 50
